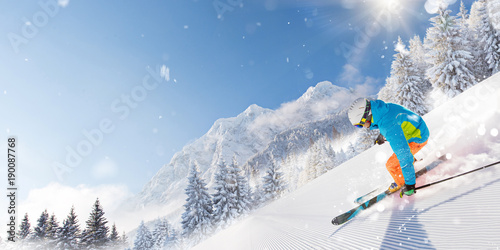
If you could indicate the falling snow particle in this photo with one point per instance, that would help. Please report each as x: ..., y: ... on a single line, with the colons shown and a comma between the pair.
x: 448, y: 156
x: 383, y: 56
x: 288, y: 22
x: 494, y: 132
x: 5, y: 92
x: 287, y: 60
x: 481, y: 130
x: 159, y: 117
x: 186, y: 27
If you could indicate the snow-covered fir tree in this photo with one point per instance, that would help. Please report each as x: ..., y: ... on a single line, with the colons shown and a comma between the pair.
x: 448, y: 61
x: 223, y: 211
x: 196, y: 219
x: 493, y: 7
x: 114, y: 238
x: 40, y: 231
x: 410, y: 88
x: 69, y: 233
x: 161, y: 233
x: 143, y: 239
x: 489, y: 43
x: 273, y: 184
x: 124, y: 239
x: 320, y: 159
x: 24, y: 228
x: 474, y: 22
x: 52, y: 229
x: 418, y: 56
x: 386, y: 93
x: 173, y: 241
x: 241, y: 188
x: 95, y: 234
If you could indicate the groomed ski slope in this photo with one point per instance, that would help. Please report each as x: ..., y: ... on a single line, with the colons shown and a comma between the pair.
x: 463, y: 213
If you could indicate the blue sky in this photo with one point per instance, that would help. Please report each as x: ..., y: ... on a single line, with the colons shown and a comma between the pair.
x: 67, y: 65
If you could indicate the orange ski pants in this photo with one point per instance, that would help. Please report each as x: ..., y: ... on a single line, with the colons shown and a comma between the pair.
x: 393, y: 166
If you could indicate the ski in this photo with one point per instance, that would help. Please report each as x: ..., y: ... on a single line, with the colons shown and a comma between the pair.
x: 353, y: 212
x: 364, y: 198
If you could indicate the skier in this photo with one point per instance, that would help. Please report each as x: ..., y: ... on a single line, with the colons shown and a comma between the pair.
x: 406, y: 132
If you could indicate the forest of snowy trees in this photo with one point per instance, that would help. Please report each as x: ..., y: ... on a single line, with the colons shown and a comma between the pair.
x: 47, y: 233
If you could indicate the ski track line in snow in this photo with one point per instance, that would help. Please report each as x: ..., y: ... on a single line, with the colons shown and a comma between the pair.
x: 291, y: 237
x: 411, y: 225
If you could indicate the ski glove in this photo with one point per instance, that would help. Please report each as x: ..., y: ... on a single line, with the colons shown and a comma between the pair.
x: 380, y: 140
x: 407, y: 190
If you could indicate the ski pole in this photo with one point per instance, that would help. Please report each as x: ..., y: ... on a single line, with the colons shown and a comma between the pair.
x: 477, y: 169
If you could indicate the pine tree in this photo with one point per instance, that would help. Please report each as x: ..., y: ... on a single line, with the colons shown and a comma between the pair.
x: 417, y: 55
x: 489, y: 42
x: 386, y: 93
x: 69, y: 233
x: 273, y: 184
x: 95, y: 234
x: 143, y: 239
x: 196, y: 219
x: 241, y: 188
x: 222, y: 208
x: 124, y: 239
x: 40, y: 231
x: 160, y: 234
x: 53, y: 227
x: 409, y: 85
x: 114, y: 237
x: 448, y: 72
x: 493, y: 7
x: 24, y: 228
x: 474, y: 22
x: 469, y: 39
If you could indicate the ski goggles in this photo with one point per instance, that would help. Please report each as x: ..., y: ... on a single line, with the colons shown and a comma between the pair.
x: 366, y: 115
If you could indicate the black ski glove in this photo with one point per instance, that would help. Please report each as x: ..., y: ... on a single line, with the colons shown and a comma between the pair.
x: 407, y: 190
x: 380, y: 140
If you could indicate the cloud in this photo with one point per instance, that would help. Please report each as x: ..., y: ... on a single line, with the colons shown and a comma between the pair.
x: 432, y: 6
x: 362, y: 85
x: 165, y: 72
x: 58, y: 200
x: 105, y: 169
x: 63, y: 3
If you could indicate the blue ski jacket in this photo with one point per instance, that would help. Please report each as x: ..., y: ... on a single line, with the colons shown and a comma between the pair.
x: 399, y: 126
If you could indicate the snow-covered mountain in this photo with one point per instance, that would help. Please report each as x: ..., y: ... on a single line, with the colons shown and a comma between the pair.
x: 461, y: 213
x: 250, y: 137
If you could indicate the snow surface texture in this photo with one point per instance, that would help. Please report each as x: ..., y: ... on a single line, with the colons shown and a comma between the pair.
x: 462, y: 213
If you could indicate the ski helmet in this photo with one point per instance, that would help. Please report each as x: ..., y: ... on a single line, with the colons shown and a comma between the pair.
x: 359, y: 112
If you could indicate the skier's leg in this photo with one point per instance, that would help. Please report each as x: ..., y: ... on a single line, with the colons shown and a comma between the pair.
x: 393, y: 166
x: 394, y: 169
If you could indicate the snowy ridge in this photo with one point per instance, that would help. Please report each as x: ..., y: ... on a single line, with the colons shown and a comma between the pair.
x: 460, y: 213
x: 250, y: 135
